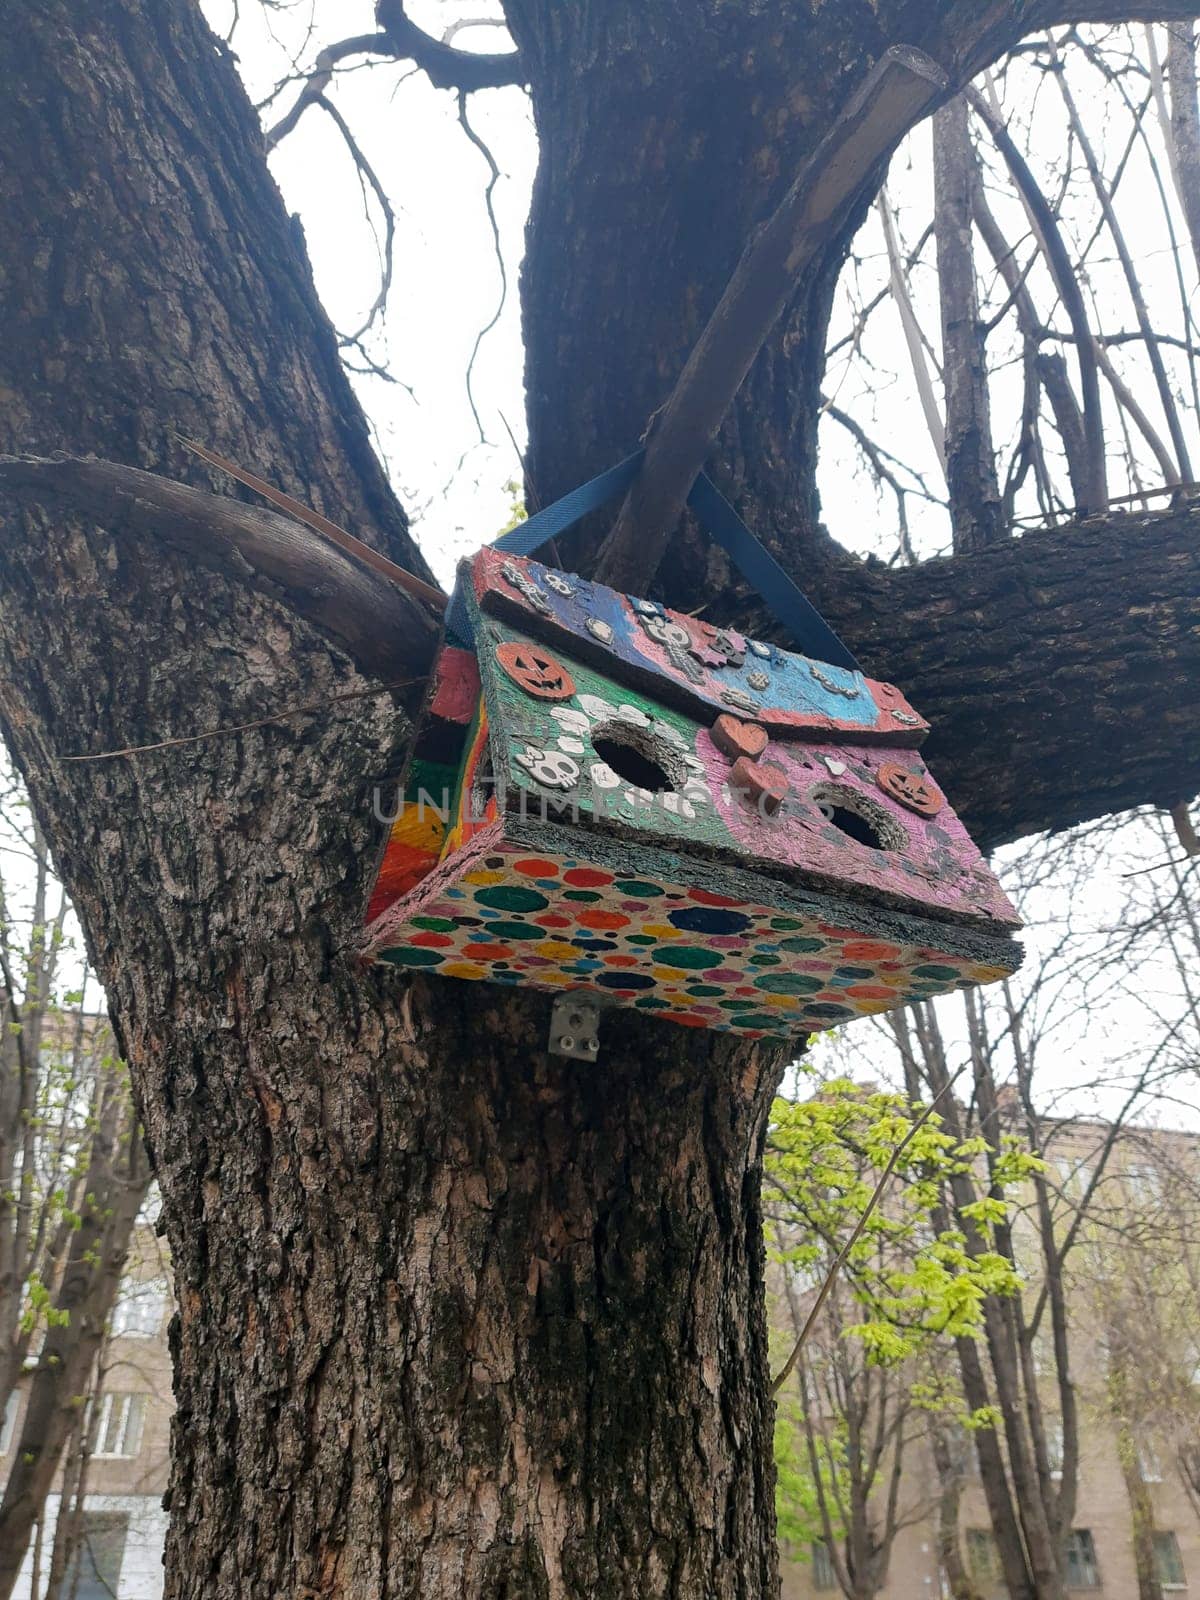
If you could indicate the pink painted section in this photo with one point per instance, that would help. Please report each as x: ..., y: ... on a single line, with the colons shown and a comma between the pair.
x: 937, y: 865
x: 456, y: 687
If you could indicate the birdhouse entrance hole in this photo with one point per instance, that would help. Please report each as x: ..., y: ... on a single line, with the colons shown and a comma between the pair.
x: 857, y: 818
x: 637, y: 757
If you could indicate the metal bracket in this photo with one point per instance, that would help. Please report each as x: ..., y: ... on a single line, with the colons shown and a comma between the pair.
x: 574, y: 1028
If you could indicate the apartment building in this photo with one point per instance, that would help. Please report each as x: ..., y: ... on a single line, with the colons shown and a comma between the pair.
x: 1136, y: 1188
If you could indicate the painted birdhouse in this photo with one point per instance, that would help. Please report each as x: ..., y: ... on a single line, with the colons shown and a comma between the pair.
x: 610, y: 797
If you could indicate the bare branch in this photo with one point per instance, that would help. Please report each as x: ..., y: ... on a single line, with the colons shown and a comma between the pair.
x: 1065, y: 282
x: 488, y: 200
x: 444, y: 66
x: 911, y: 327
x: 322, y: 75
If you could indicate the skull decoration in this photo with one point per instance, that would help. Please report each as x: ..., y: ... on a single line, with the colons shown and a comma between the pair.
x: 524, y: 585
x: 675, y: 640
x: 551, y: 768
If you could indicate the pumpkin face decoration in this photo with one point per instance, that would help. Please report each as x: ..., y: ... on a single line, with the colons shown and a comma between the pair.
x: 537, y: 673
x: 912, y: 789
x: 716, y: 831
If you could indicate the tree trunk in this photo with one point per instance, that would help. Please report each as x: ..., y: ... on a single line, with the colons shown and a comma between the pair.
x: 117, y: 1179
x: 454, y: 1317
x: 1141, y: 1515
x: 950, y: 1489
x: 1185, y: 125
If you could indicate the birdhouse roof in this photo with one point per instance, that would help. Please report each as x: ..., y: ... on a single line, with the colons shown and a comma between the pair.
x: 689, y: 663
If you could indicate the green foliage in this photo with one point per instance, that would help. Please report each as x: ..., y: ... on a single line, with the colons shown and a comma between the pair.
x: 912, y: 1282
x: 39, y: 1303
x: 517, y: 513
x: 797, y: 1506
x: 908, y: 1287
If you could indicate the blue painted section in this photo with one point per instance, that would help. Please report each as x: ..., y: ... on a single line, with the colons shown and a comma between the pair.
x: 795, y: 683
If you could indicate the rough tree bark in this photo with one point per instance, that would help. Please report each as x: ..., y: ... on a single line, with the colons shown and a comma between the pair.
x: 455, y: 1317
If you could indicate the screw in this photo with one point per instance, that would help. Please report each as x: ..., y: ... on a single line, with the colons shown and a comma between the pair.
x: 566, y: 1042
x: 593, y: 1045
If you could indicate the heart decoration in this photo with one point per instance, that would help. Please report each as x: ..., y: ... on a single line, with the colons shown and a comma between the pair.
x: 736, y: 738
x: 761, y: 784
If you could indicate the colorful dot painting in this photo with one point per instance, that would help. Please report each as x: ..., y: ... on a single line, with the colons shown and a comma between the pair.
x: 685, y: 953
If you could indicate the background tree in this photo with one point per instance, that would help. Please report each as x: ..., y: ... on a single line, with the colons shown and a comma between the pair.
x: 451, y: 1317
x: 73, y: 1176
x: 865, y: 1387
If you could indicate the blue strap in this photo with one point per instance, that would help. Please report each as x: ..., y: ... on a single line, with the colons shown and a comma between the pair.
x: 763, y: 573
x: 547, y: 524
x: 757, y: 565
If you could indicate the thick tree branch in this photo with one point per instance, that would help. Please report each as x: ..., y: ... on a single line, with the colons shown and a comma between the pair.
x: 899, y: 89
x: 442, y: 64
x: 1058, y: 670
x: 383, y: 630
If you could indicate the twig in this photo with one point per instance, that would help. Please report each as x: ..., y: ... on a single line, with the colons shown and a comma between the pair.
x: 243, y: 727
x: 367, y: 175
x: 319, y: 79
x: 912, y: 330
x: 488, y: 193
x: 407, y: 581
x: 826, y: 1288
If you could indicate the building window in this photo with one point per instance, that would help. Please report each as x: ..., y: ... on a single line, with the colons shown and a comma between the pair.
x: 1082, y: 1569
x: 138, y: 1312
x: 1054, y: 1446
x: 983, y: 1558
x: 9, y: 1426
x: 824, y: 1576
x: 1149, y: 1466
x: 119, y: 1432
x: 1143, y: 1183
x: 1168, y: 1563
x: 1075, y: 1177
x: 96, y: 1568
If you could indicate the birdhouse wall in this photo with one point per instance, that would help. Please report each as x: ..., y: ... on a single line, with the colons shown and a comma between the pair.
x: 698, y: 943
x: 566, y: 752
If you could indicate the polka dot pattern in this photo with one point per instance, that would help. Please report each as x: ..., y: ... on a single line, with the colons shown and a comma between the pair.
x: 688, y: 955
